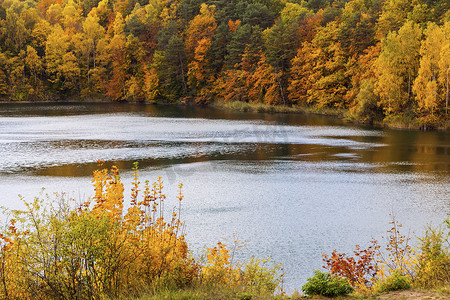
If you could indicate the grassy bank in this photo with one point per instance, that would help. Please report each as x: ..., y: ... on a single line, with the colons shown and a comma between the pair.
x: 402, y: 121
x: 204, y: 292
x: 266, y: 108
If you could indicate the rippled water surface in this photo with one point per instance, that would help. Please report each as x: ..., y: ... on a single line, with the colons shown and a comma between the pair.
x: 292, y: 186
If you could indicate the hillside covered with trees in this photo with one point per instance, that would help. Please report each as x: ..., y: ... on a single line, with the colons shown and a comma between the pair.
x: 381, y: 59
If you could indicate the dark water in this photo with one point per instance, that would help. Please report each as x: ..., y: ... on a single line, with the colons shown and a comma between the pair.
x: 292, y: 186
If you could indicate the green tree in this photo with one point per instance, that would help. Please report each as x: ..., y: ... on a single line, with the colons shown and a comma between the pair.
x: 257, y: 14
x: 236, y: 46
x: 356, y: 29
x: 217, y: 53
x: 170, y: 63
x: 135, y: 61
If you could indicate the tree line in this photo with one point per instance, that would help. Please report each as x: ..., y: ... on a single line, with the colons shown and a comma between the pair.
x: 381, y: 59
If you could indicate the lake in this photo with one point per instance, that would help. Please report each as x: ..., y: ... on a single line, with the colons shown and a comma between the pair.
x: 291, y: 186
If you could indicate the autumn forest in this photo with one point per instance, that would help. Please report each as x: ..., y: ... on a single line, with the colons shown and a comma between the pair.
x: 382, y: 60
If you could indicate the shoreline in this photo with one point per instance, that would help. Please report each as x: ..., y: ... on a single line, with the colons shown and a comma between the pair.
x: 244, y: 107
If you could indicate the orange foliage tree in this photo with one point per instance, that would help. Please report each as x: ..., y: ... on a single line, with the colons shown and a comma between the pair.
x: 198, y: 42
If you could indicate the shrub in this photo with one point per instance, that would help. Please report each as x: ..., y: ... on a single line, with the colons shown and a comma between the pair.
x: 255, y: 277
x: 401, y: 120
x: 401, y: 256
x: 359, y: 269
x: 396, y: 281
x: 430, y: 122
x: 433, y: 268
x: 260, y: 277
x: 218, y: 269
x: 326, y: 284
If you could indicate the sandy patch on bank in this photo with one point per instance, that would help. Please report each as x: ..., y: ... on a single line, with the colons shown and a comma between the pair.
x: 414, y: 294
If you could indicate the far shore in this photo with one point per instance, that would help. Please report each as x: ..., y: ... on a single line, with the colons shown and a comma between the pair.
x: 344, y: 114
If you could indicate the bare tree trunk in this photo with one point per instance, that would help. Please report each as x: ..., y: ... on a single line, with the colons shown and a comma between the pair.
x: 390, y: 108
x: 435, y: 90
x: 281, y: 90
x: 409, y: 84
x: 182, y: 75
x: 94, y: 55
x: 446, y: 96
x: 88, y: 63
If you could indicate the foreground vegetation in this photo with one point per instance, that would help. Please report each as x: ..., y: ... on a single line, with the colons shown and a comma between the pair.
x: 384, y: 61
x: 98, y: 249
x: 399, y: 266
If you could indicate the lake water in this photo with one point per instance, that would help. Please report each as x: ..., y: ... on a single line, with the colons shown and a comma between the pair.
x: 292, y: 186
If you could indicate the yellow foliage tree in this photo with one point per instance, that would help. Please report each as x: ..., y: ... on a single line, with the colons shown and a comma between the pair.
x: 56, y: 47
x: 397, y: 66
x: 116, y: 87
x: 33, y: 63
x: 432, y: 83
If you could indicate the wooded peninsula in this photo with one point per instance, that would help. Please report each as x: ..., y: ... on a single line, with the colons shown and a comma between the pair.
x: 385, y: 61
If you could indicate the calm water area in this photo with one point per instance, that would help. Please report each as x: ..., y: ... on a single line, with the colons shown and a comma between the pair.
x: 292, y: 186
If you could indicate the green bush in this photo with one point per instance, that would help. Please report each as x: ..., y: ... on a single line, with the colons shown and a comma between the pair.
x: 396, y: 281
x: 433, y: 268
x: 261, y: 277
x: 367, y: 110
x: 326, y: 284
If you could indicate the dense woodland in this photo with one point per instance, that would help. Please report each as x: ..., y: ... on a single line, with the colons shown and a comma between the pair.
x: 381, y: 59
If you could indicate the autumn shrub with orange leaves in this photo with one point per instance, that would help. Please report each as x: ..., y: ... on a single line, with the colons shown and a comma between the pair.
x: 360, y: 269
x: 96, y: 249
